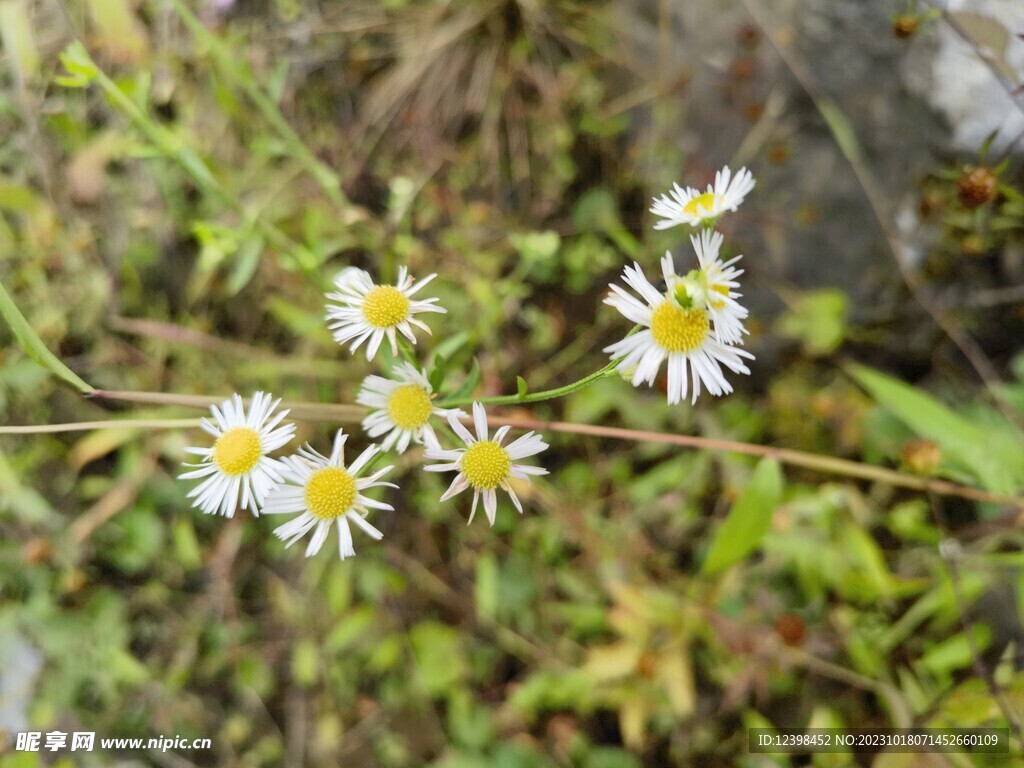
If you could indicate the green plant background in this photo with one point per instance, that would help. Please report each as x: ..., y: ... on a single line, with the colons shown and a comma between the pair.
x: 176, y: 193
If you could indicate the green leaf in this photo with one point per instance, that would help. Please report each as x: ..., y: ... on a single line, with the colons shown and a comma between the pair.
x: 521, y: 386
x: 748, y: 520
x: 246, y: 261
x: 452, y: 344
x: 437, y: 371
x: 467, y: 387
x: 955, y: 653
x: 488, y: 592
x: 443, y: 354
x: 536, y: 246
x: 993, y: 457
x: 597, y: 210
x: 34, y: 346
x: 305, y: 662
x: 441, y: 660
x: 818, y: 320
x: 842, y: 130
x: 79, y: 63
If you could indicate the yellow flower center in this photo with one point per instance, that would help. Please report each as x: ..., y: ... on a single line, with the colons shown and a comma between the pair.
x: 409, y: 406
x: 237, y: 451
x: 385, y: 307
x: 705, y: 201
x: 486, y: 465
x: 330, y: 493
x: 722, y: 290
x: 679, y: 330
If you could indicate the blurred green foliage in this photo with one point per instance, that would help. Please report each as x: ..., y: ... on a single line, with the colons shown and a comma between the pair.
x: 163, y: 227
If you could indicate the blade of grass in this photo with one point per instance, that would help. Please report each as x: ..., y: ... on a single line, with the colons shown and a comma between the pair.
x: 228, y: 61
x: 34, y: 346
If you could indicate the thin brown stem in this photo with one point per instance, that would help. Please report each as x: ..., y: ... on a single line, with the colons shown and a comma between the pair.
x: 812, y: 461
x: 86, y: 426
x: 342, y: 414
x: 351, y: 414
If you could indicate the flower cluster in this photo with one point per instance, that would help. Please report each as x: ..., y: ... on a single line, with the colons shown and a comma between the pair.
x: 695, y: 324
x: 321, y: 491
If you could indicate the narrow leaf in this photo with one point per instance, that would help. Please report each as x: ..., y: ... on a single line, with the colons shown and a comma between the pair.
x: 748, y: 520
x: 974, y: 448
x: 467, y: 387
x: 842, y: 130
x: 437, y: 372
x: 521, y: 386
x: 34, y: 346
x: 488, y: 587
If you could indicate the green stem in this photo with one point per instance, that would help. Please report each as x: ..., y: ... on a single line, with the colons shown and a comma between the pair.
x: 171, y: 145
x: 228, y: 62
x: 535, y: 397
x: 406, y: 349
x: 88, y: 426
x: 547, y: 394
x: 316, y: 412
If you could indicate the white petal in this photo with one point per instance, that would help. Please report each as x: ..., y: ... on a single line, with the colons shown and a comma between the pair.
x: 319, y: 537
x: 345, y: 548
x: 490, y: 505
x: 459, y: 484
x: 359, y: 520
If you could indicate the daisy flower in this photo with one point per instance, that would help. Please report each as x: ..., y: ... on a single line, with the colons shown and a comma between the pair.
x: 401, y: 408
x: 238, y: 462
x: 673, y: 332
x: 693, y: 207
x: 485, y: 464
x: 321, y: 491
x: 368, y: 312
x: 712, y: 286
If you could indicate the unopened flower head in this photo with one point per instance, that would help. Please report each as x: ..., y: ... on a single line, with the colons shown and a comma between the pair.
x: 677, y: 330
x: 237, y: 464
x: 321, y: 491
x: 369, y: 312
x: 401, y: 406
x: 713, y: 286
x: 696, y: 208
x: 485, y: 464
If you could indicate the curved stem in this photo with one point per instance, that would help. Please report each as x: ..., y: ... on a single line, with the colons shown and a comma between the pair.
x: 534, y: 397
x: 339, y: 414
x: 547, y: 394
x: 829, y: 465
x: 815, y: 462
x: 85, y: 426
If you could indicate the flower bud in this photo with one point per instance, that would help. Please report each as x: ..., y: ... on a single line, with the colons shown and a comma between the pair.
x: 920, y: 456
x: 905, y: 26
x: 791, y: 629
x: 977, y: 187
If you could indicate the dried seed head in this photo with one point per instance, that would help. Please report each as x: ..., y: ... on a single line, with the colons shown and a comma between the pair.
x: 977, y: 187
x: 905, y: 26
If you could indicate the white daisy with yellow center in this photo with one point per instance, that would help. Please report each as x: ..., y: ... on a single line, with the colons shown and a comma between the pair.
x: 402, y: 408
x: 485, y: 464
x: 369, y: 312
x: 677, y: 330
x: 321, y: 491
x: 696, y: 208
x: 237, y: 464
x: 713, y: 285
